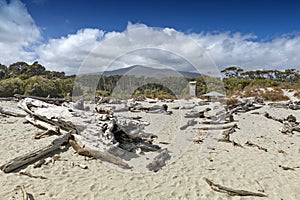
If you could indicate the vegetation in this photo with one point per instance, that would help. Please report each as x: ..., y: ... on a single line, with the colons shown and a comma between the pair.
x: 258, y: 83
x: 34, y: 79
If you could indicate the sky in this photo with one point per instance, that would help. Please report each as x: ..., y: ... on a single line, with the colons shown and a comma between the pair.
x: 74, y: 35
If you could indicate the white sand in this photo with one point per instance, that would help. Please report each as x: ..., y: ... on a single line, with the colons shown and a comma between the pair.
x: 245, y: 168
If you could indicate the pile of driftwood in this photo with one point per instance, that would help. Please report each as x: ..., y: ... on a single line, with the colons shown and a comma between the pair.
x: 290, y: 123
x: 227, y: 115
x: 97, y: 134
x: 293, y: 105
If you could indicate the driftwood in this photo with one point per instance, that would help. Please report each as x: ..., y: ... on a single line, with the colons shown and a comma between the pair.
x: 108, y: 157
x: 25, y: 195
x: 30, y: 175
x: 188, y: 107
x: 8, y: 99
x: 47, y: 132
x: 78, y: 149
x: 46, y: 161
x: 11, y: 113
x: 196, y: 114
x: 290, y: 123
x: 80, y: 165
x: 286, y: 168
x: 146, y: 146
x: 49, y: 129
x: 232, y: 109
x: 56, y: 101
x: 39, y: 163
x: 226, y: 126
x: 116, y: 139
x: 103, y: 111
x: 191, y: 122
x: 232, y: 192
x: 279, y: 105
x: 267, y: 115
x: 159, y: 161
x: 34, y: 155
x: 41, y: 124
x: 105, y: 156
x: 226, y: 136
x: 294, y: 106
x: 248, y: 143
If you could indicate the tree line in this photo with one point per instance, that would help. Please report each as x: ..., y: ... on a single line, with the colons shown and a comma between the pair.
x: 34, y: 80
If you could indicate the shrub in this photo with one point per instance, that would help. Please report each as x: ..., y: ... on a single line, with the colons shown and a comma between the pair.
x: 11, y: 86
x: 231, y: 101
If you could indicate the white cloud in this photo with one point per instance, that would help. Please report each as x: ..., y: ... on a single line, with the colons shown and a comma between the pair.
x: 116, y: 49
x: 18, y: 33
x: 66, y: 53
x: 245, y: 51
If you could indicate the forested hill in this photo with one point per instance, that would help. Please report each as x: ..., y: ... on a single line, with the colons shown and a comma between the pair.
x: 35, y: 80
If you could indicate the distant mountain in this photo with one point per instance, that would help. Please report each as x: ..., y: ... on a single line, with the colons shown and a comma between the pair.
x: 138, y: 71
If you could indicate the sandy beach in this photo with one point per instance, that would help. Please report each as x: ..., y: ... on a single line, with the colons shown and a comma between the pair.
x: 244, y: 168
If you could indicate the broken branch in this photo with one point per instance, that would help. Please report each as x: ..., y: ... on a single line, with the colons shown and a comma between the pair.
x: 232, y: 192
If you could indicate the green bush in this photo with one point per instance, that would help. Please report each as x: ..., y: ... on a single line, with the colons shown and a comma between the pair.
x: 11, y: 86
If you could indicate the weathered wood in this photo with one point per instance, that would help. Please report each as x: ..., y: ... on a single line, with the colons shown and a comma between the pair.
x: 11, y: 113
x: 39, y: 163
x: 190, y: 122
x: 146, y: 146
x: 248, y: 143
x: 92, y: 136
x: 290, y: 123
x: 286, y: 168
x: 267, y: 115
x: 56, y: 101
x: 226, y: 136
x: 31, y: 176
x: 108, y: 157
x: 232, y: 192
x: 226, y: 126
x: 102, y: 155
x: 48, y: 132
x: 79, y: 165
x: 81, y: 151
x: 159, y: 161
x: 8, y: 99
x: 25, y: 195
x: 34, y: 155
x: 195, y: 114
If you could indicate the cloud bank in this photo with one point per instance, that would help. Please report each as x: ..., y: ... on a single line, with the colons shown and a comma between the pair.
x: 21, y: 40
x: 18, y: 33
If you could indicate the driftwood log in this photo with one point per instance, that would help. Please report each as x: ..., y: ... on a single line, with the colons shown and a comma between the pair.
x: 11, y: 113
x: 56, y: 101
x: 104, y: 156
x: 232, y: 192
x: 248, y: 143
x: 34, y: 155
x: 225, y: 126
x: 190, y: 122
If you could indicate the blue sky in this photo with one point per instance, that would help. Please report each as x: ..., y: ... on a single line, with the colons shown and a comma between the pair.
x: 262, y: 18
x: 61, y: 34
